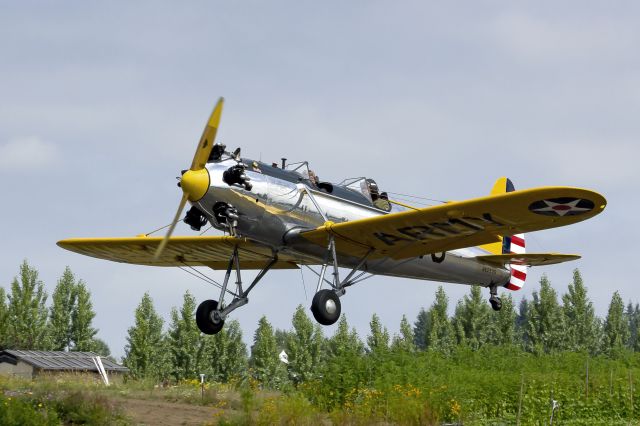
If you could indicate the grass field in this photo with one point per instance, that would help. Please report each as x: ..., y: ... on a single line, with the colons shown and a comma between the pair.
x: 488, y: 387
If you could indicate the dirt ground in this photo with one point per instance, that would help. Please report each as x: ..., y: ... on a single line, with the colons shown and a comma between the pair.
x: 150, y: 412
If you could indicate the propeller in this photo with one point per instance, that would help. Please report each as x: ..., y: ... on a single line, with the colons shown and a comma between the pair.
x: 195, y: 181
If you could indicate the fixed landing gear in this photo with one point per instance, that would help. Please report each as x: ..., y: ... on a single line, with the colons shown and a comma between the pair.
x: 208, y: 317
x: 494, y: 300
x: 211, y: 314
x: 326, y: 307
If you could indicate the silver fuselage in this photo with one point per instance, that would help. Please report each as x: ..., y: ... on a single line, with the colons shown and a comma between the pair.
x: 276, y: 210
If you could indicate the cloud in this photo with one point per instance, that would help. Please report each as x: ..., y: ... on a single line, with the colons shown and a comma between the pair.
x: 29, y: 152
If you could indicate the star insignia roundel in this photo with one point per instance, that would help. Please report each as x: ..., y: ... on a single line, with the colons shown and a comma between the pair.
x: 562, y: 207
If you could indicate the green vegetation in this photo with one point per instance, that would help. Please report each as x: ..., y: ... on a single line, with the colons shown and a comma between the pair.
x: 27, y: 323
x: 475, y: 367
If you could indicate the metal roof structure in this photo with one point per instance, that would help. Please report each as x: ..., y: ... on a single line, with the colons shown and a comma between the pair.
x: 58, y: 360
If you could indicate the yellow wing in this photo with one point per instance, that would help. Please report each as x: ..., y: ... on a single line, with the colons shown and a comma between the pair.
x: 211, y: 251
x: 461, y: 224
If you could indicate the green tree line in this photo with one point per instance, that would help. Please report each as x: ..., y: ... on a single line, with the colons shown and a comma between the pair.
x: 28, y: 323
x: 544, y: 324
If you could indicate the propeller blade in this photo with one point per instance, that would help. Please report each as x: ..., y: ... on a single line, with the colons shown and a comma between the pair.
x: 164, y: 242
x: 207, y: 141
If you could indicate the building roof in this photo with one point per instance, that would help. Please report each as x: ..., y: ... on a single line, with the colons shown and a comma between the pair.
x: 58, y: 360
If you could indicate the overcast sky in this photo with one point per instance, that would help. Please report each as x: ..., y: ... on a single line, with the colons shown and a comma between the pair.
x: 102, y: 105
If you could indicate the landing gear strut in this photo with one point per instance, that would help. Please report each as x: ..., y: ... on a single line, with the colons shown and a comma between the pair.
x: 496, y: 302
x: 211, y: 314
x: 326, y: 306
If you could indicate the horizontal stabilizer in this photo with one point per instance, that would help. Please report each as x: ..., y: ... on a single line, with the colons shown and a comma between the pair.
x: 527, y: 259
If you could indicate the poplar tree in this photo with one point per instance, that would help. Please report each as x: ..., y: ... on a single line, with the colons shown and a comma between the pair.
x: 616, y: 327
x: 101, y: 348
x: 378, y: 339
x: 184, y: 342
x: 344, y: 341
x: 304, y: 347
x: 63, y: 299
x: 633, y: 317
x: 27, y: 312
x: 471, y: 320
x: 522, y: 321
x: 4, y: 314
x: 545, y: 322
x: 502, y: 324
x: 404, y: 341
x: 145, y: 351
x: 421, y: 329
x: 225, y: 354
x: 582, y: 327
x: 82, y: 332
x: 440, y: 336
x: 264, y: 362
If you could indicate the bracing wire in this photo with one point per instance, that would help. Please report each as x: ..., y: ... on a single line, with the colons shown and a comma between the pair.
x: 416, y: 197
x: 156, y: 230
x: 304, y: 286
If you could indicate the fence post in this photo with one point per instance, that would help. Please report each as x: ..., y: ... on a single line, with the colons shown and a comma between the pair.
x: 520, y: 401
x: 586, y: 386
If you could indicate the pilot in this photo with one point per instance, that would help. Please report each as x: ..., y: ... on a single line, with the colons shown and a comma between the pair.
x: 313, y: 178
x: 380, y: 200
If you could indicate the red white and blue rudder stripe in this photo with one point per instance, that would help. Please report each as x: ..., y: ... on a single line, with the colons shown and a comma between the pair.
x: 515, y: 245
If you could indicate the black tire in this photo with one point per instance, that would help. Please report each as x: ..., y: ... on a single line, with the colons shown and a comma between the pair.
x: 496, y: 303
x: 203, y: 317
x: 326, y: 307
x: 438, y: 259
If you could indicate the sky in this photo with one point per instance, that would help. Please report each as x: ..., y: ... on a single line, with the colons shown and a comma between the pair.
x: 102, y: 105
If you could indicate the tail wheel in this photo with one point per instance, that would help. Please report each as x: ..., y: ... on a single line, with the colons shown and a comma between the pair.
x: 326, y: 307
x: 496, y: 303
x: 205, y: 323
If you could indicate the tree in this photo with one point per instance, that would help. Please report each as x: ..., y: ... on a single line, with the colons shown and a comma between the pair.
x: 616, y: 327
x: 522, y: 321
x: 60, y: 315
x: 378, y: 339
x: 304, y: 347
x: 471, y: 320
x: 545, y: 322
x: 27, y: 312
x: 185, y: 345
x: 225, y: 354
x: 82, y: 333
x: 145, y: 352
x: 582, y: 327
x: 502, y: 324
x: 4, y: 314
x: 101, y: 348
x: 344, y: 341
x: 404, y: 342
x: 440, y: 335
x: 633, y: 317
x: 421, y: 329
x: 266, y: 366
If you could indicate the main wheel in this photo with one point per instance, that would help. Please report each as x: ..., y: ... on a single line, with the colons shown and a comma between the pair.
x: 326, y: 307
x: 496, y: 303
x: 204, y: 320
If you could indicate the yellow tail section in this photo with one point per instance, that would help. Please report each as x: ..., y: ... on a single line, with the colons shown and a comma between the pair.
x: 501, y: 186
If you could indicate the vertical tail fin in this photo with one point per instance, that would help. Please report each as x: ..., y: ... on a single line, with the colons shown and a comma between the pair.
x: 512, y: 244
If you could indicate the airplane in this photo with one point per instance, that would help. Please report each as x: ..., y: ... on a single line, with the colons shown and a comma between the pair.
x: 281, y: 216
